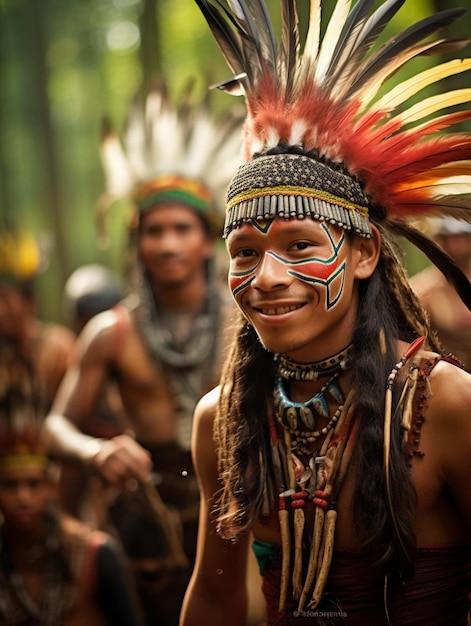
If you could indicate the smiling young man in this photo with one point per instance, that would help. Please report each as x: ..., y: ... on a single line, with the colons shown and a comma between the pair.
x: 342, y: 438
x: 163, y: 346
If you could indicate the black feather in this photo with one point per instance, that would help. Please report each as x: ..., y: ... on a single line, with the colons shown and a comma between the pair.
x: 398, y: 45
x: 224, y: 35
x: 373, y: 27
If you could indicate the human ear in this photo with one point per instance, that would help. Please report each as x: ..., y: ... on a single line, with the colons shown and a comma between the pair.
x: 367, y: 253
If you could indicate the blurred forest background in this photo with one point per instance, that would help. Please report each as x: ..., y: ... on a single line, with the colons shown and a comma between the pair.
x: 65, y: 64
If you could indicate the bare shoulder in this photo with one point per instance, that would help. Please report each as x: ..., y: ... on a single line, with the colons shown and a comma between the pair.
x: 56, y: 346
x: 204, y: 416
x: 203, y: 444
x: 446, y: 434
x: 103, y: 331
x: 447, y: 426
x: 58, y: 336
x: 206, y: 408
x: 449, y: 392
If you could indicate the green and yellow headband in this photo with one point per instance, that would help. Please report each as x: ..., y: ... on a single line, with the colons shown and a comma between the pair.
x: 295, y: 186
x: 172, y: 189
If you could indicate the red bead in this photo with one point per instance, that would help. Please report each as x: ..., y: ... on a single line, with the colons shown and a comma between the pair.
x: 299, y: 495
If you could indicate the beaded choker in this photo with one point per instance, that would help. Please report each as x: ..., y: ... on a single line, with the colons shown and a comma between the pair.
x: 290, y: 370
x: 299, y: 418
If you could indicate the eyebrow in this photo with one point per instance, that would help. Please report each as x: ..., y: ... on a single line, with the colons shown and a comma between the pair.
x: 290, y: 229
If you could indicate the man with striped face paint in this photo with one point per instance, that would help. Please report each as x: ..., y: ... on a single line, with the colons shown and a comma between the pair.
x: 342, y: 439
x: 284, y: 275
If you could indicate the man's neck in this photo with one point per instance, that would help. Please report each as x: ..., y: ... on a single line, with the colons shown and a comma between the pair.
x: 189, y: 296
x: 25, y: 547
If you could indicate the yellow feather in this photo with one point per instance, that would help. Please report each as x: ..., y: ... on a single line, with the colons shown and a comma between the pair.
x: 433, y: 104
x: 410, y: 87
x: 369, y: 90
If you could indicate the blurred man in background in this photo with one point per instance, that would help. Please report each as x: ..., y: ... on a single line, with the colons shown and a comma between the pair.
x: 449, y: 316
x: 163, y: 345
x: 89, y: 290
x: 47, y: 346
x: 53, y: 569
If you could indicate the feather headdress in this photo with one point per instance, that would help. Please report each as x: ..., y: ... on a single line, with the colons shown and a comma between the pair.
x: 22, y: 411
x: 172, y: 153
x: 369, y: 156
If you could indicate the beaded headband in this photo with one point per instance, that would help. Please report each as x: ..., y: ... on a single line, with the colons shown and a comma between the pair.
x: 295, y: 186
x: 325, y: 90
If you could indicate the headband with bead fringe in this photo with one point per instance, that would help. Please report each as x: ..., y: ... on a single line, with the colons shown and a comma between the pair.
x: 319, y: 96
x: 172, y: 153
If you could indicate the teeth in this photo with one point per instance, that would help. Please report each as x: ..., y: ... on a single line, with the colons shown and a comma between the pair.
x: 281, y: 310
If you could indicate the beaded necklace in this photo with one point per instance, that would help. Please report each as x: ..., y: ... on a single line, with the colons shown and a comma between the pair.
x: 318, y: 480
x: 337, y: 363
x: 299, y: 418
x: 319, y: 483
x: 17, y: 605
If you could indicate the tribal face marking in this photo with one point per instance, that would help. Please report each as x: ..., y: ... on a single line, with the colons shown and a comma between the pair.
x: 327, y: 272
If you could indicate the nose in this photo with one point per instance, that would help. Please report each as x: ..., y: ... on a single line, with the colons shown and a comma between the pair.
x: 23, y: 495
x: 271, y: 273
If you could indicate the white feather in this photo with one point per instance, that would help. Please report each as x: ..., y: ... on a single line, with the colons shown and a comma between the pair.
x: 330, y: 39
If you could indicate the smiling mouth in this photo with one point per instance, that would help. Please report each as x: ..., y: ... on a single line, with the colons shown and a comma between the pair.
x: 279, y: 310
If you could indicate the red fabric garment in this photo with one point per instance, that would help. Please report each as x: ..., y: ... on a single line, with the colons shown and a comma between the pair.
x: 437, y: 594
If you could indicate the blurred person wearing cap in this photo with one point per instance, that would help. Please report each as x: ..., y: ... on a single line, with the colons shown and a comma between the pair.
x: 47, y: 345
x: 449, y: 317
x: 91, y: 289
x: 163, y: 344
x: 53, y: 569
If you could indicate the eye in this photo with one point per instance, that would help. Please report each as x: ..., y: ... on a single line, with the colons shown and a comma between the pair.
x: 183, y: 229
x: 244, y: 253
x: 300, y: 246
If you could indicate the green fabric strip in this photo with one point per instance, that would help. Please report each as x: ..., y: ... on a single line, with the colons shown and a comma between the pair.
x: 265, y: 553
x: 174, y: 196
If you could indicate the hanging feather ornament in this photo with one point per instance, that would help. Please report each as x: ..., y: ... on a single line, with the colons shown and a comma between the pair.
x: 320, y: 98
x: 171, y: 152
